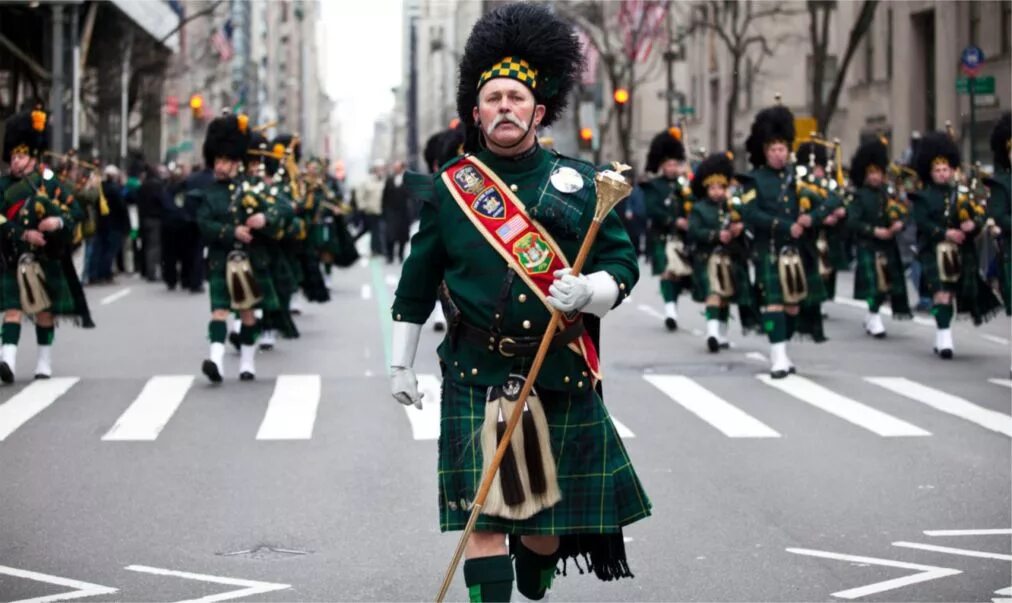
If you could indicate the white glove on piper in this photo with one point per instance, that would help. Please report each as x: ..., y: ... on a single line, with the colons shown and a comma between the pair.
x: 594, y: 293
x: 403, y: 382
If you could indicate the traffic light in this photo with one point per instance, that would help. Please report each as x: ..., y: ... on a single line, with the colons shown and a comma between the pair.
x: 197, y: 106
x: 586, y: 139
x: 621, y: 96
x: 172, y: 106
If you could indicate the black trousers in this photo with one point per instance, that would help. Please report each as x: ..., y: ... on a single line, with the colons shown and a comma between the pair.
x: 182, y: 252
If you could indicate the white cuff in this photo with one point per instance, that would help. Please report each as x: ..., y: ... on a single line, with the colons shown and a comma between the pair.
x: 604, y: 293
x: 405, y: 343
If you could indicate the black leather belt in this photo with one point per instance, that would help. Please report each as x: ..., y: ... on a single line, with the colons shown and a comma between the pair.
x: 510, y: 346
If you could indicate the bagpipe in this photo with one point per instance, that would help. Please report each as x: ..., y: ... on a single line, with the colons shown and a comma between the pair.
x: 244, y: 289
x: 720, y: 264
x: 90, y: 177
x: 28, y: 205
x: 962, y: 204
x: 679, y: 264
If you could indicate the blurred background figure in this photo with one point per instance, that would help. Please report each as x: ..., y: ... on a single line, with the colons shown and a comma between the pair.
x: 396, y: 214
x: 111, y: 229
x: 370, y: 204
x: 151, y: 198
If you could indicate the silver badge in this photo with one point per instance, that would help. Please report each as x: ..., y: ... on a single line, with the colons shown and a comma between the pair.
x: 47, y: 174
x: 566, y: 180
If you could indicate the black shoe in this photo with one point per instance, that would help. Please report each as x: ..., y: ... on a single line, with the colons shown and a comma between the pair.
x: 671, y: 324
x: 881, y: 335
x: 170, y: 286
x: 779, y: 374
x: 266, y: 347
x: 39, y: 376
x: 246, y: 376
x: 210, y: 369
x: 944, y: 354
x: 196, y: 290
x: 726, y: 345
x: 233, y: 338
x: 6, y: 374
x: 713, y: 344
x: 792, y: 370
x: 439, y: 327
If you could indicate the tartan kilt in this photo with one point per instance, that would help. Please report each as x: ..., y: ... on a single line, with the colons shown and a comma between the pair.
x: 56, y: 285
x: 281, y: 273
x: 767, y: 278
x: 600, y: 489
x: 930, y: 281
x: 218, y: 288
x: 658, y: 259
x: 701, y: 280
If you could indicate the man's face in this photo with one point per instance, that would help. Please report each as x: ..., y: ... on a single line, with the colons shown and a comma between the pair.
x: 716, y: 191
x: 941, y: 173
x: 507, y: 112
x: 672, y: 168
x: 398, y: 167
x: 22, y: 164
x: 225, y: 168
x: 313, y: 169
x: 776, y: 155
x: 819, y: 171
x: 874, y: 177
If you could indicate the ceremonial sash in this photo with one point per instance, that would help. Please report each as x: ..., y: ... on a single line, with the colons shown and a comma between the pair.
x: 500, y: 217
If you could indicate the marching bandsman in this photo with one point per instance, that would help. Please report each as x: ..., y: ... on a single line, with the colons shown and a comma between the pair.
x: 814, y: 156
x: 234, y: 222
x: 875, y: 220
x: 719, y: 253
x: 999, y: 209
x: 668, y: 200
x: 947, y: 223
x: 778, y: 211
x: 500, y: 226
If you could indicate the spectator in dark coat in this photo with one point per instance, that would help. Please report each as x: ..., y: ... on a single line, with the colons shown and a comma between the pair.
x: 112, y: 228
x: 150, y: 200
x: 396, y: 214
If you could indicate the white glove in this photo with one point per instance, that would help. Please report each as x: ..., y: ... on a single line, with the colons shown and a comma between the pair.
x: 594, y: 293
x: 404, y: 386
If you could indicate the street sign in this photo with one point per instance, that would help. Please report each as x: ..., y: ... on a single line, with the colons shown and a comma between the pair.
x: 970, y: 60
x: 981, y: 85
x: 687, y: 110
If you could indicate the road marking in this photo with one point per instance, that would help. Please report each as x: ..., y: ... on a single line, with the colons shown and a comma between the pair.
x: 291, y: 411
x: 847, y: 409
x: 1002, y: 382
x: 995, y: 339
x: 727, y: 418
x: 250, y: 587
x: 145, y: 418
x: 31, y: 401
x: 953, y: 551
x: 649, y: 310
x: 84, y: 589
x: 366, y: 291
x: 925, y: 573
x: 947, y: 403
x: 986, y: 532
x: 425, y: 422
x: 884, y: 310
x: 623, y: 432
x: 756, y: 356
x: 383, y: 306
x: 108, y: 299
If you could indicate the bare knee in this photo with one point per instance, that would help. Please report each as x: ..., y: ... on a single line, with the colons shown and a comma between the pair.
x: 713, y: 300
x: 44, y: 319
x: 248, y: 317
x: 219, y: 315
x: 791, y: 310
x: 942, y: 297
x: 542, y: 545
x: 774, y: 308
x: 12, y: 316
x: 485, y: 544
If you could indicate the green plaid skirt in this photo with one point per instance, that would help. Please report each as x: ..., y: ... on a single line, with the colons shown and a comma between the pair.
x: 218, y: 288
x: 767, y: 278
x: 866, y: 279
x: 701, y: 280
x: 56, y: 286
x: 600, y: 489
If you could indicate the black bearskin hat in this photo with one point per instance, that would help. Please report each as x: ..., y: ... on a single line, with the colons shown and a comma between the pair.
x: 227, y: 136
x: 1000, y: 139
x: 935, y: 146
x: 451, y: 144
x: 807, y: 149
x: 666, y: 145
x: 285, y: 140
x: 771, y: 124
x: 716, y: 166
x: 27, y: 132
x: 543, y: 53
x: 870, y: 153
x: 431, y: 152
x: 257, y: 147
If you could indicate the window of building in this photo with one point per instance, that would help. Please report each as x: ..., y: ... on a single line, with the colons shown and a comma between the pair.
x: 889, y: 44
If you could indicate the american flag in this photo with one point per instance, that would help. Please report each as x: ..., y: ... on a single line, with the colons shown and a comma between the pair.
x: 221, y: 40
x: 509, y: 231
x: 644, y: 18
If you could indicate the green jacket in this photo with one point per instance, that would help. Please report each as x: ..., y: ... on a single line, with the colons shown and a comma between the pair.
x: 771, y: 204
x: 931, y: 204
x: 705, y: 223
x: 998, y: 205
x: 218, y: 215
x: 866, y: 212
x: 449, y: 248
x: 665, y: 202
x: 52, y: 200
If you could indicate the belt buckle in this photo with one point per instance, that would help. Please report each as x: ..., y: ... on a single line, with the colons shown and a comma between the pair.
x: 508, y: 340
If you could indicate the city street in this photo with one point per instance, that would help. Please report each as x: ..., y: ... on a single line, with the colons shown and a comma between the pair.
x: 879, y: 473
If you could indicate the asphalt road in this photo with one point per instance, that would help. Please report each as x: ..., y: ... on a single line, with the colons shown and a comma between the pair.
x: 880, y: 473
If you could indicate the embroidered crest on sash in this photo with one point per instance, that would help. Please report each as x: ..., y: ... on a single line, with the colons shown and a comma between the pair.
x: 469, y: 180
x: 489, y: 203
x: 533, y: 253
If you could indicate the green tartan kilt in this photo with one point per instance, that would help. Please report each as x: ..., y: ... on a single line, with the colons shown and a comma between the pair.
x: 56, y: 286
x: 767, y: 278
x: 218, y: 288
x: 931, y: 283
x: 600, y: 489
x: 658, y: 259
x: 281, y: 273
x: 701, y: 280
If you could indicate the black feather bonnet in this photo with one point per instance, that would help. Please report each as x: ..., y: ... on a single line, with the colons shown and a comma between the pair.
x: 807, y: 150
x: 935, y: 146
x: 666, y: 145
x: 27, y: 132
x: 870, y: 153
x: 227, y: 136
x: 716, y: 167
x: 772, y: 124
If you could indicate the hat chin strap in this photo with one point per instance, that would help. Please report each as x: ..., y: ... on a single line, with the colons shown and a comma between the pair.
x: 527, y: 130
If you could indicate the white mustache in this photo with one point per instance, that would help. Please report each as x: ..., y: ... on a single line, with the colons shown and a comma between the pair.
x: 501, y: 117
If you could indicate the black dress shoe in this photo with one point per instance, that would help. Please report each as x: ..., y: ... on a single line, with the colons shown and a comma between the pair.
x: 233, y: 338
x: 39, y: 376
x: 6, y: 374
x: 210, y: 369
x: 725, y: 345
x: 944, y: 354
x: 266, y: 347
x: 712, y: 344
x: 778, y: 374
x: 246, y: 376
x: 881, y: 335
x: 439, y: 327
x: 792, y: 370
x: 671, y: 324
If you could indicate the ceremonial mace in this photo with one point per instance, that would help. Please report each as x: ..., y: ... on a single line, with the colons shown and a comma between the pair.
x: 611, y: 188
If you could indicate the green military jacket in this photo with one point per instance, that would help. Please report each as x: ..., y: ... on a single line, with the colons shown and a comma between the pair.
x: 665, y: 202
x: 999, y: 207
x: 771, y: 204
x: 218, y: 214
x: 866, y: 212
x: 705, y: 223
x: 45, y: 196
x: 937, y: 208
x: 449, y: 248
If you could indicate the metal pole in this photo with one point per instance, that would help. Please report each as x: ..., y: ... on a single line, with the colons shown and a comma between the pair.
x: 56, y: 92
x: 669, y: 94
x: 124, y: 109
x: 75, y: 70
x: 973, y: 120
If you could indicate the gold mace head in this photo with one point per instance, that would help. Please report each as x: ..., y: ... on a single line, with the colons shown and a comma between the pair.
x: 612, y: 187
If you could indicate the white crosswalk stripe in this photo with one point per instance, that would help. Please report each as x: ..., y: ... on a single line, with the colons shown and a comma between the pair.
x: 847, y: 409
x: 291, y: 411
x: 947, y: 403
x: 1002, y: 382
x: 728, y: 419
x: 31, y: 401
x: 145, y: 418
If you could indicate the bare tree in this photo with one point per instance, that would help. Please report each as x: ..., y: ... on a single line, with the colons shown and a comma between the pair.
x: 739, y: 28
x: 819, y: 20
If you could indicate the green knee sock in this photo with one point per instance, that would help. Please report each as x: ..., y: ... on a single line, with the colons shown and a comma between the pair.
x: 943, y: 315
x: 10, y: 333
x: 790, y: 325
x: 44, y: 335
x: 712, y: 312
x: 489, y: 578
x: 874, y: 303
x: 669, y: 291
x: 216, y: 331
x: 535, y: 572
x: 775, y: 325
x: 724, y: 313
x: 248, y: 334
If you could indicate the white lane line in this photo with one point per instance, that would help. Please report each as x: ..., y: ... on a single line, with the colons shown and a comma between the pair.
x: 947, y: 403
x: 984, y: 532
x: 697, y: 332
x: 249, y: 587
x: 847, y: 409
x: 953, y: 551
x: 366, y: 291
x: 756, y: 356
x: 108, y: 299
x: 884, y: 310
x: 728, y: 419
x: 145, y: 418
x: 1002, y: 382
x: 623, y: 432
x: 925, y: 572
x: 291, y: 411
x: 31, y: 401
x: 425, y: 422
x: 84, y: 589
x: 995, y: 339
x: 1004, y: 591
x: 649, y: 310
